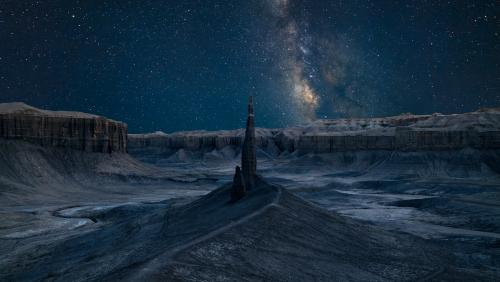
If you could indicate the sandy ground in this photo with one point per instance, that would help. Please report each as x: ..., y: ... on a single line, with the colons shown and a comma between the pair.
x: 75, y: 224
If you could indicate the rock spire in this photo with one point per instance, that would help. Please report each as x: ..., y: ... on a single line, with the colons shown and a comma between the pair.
x: 244, y: 179
x: 248, y: 156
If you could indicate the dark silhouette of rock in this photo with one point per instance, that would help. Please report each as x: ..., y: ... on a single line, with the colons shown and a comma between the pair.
x: 238, y: 190
x: 245, y: 178
x: 248, y: 156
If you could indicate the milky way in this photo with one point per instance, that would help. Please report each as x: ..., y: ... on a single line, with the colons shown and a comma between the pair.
x: 322, y: 75
x: 342, y: 60
x: 294, y: 59
x: 184, y: 65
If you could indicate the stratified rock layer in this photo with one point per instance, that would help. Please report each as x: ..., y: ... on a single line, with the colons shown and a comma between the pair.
x: 72, y: 130
x: 479, y: 130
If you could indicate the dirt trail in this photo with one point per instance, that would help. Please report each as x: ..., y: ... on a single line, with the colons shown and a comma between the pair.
x: 153, y: 265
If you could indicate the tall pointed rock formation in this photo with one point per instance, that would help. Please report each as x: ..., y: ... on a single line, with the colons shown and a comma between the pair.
x: 244, y: 179
x: 248, y: 156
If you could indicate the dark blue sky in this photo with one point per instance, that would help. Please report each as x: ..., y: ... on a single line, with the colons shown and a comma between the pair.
x: 182, y: 65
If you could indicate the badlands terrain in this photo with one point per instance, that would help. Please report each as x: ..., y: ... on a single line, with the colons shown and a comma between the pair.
x: 406, y: 198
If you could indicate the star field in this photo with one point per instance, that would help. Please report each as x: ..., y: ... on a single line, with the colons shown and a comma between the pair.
x: 183, y: 65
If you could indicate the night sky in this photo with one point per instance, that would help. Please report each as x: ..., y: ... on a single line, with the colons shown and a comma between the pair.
x: 183, y: 65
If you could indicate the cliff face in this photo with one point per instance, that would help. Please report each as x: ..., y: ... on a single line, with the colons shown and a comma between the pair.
x: 199, y: 141
x: 406, y: 139
x: 479, y: 130
x: 73, y: 130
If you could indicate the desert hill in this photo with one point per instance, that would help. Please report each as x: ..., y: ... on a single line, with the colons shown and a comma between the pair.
x: 270, y: 235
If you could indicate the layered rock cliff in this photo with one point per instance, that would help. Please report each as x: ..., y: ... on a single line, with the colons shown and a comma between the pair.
x: 73, y: 130
x: 479, y: 130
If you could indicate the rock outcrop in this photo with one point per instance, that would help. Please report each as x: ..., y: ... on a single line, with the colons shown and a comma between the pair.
x: 238, y: 189
x: 478, y: 130
x: 72, y: 130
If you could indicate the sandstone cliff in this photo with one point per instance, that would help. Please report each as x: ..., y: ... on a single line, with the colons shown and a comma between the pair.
x: 73, y: 130
x: 479, y: 130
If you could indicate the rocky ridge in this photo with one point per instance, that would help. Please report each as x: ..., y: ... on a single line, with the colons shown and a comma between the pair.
x: 478, y: 130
